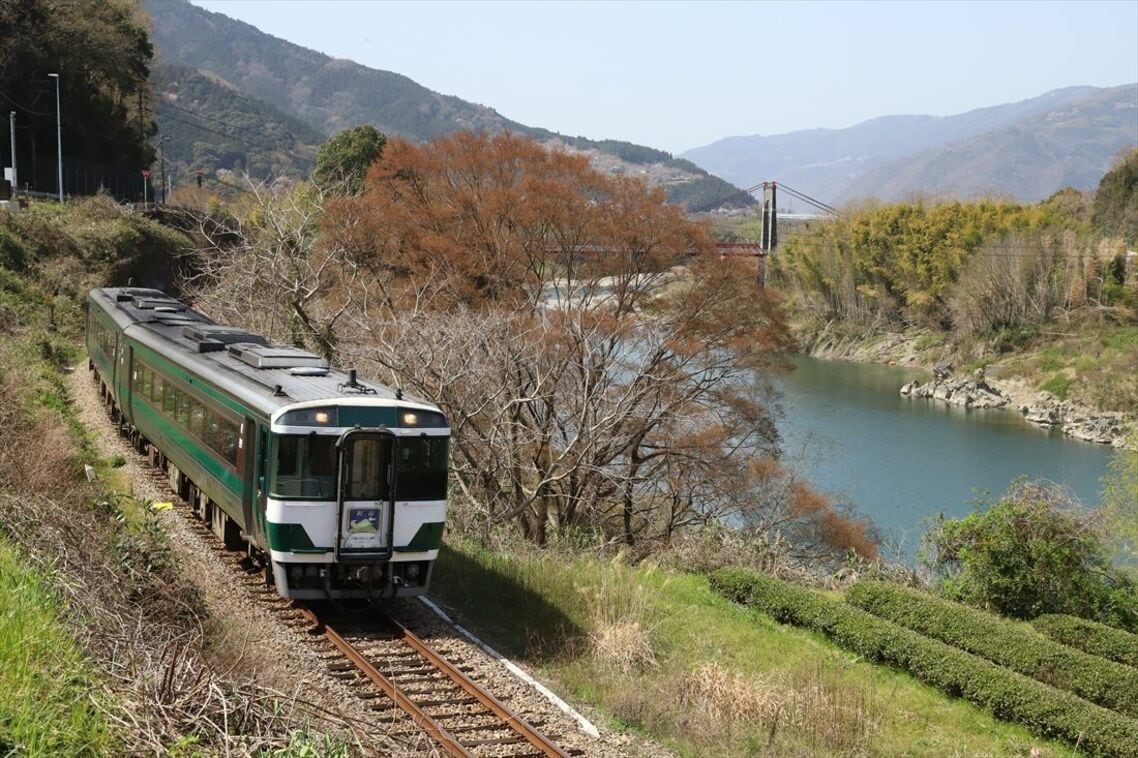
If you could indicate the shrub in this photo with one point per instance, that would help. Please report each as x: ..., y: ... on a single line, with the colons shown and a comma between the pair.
x: 1109, y: 684
x: 1033, y: 552
x: 1006, y: 694
x: 14, y: 253
x: 1058, y: 385
x: 1090, y: 636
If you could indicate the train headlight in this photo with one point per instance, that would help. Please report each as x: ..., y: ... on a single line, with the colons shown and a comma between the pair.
x: 410, y: 419
x: 322, y: 417
x: 412, y: 571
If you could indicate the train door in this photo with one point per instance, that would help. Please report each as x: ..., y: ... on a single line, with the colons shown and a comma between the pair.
x: 366, y: 494
x: 123, y: 366
x: 246, y: 465
x: 261, y: 471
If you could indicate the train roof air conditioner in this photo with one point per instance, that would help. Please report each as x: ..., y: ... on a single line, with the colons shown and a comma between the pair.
x: 276, y: 356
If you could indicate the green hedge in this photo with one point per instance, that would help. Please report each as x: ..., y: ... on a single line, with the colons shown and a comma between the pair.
x: 1014, y: 697
x: 1004, y: 643
x: 1091, y: 637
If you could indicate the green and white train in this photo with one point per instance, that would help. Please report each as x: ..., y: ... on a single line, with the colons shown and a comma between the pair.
x: 336, y: 486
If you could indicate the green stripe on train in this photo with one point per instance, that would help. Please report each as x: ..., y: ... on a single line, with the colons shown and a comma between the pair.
x: 291, y: 538
x: 429, y: 537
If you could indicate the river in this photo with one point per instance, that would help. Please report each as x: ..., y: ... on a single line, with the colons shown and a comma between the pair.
x: 901, y: 461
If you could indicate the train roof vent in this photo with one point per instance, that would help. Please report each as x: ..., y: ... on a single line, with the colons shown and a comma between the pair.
x: 166, y: 303
x: 276, y: 356
x: 226, y: 335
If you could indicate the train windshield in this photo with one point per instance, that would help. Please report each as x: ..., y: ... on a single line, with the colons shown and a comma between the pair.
x: 367, y: 460
x: 421, y: 468
x: 305, y: 467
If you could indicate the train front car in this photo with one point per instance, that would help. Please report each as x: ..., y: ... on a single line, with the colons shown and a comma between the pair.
x: 337, y: 486
x: 356, y: 496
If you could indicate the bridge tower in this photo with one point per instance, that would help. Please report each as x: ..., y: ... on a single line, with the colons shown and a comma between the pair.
x: 768, y: 238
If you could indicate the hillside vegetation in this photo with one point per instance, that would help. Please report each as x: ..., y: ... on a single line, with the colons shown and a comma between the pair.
x: 102, y: 54
x: 211, y: 126
x: 659, y: 652
x: 1042, y: 289
x: 105, y: 646
x: 1046, y: 707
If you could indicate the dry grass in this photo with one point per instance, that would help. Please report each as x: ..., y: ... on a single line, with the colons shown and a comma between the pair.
x: 619, y: 623
x: 813, y: 708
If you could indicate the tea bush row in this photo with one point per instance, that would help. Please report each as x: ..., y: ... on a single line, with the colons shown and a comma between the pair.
x: 1014, y: 697
x: 1004, y: 643
x: 1091, y: 637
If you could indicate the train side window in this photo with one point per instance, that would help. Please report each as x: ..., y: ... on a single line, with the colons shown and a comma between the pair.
x: 169, y: 399
x: 197, y: 419
x: 144, y: 382
x: 182, y: 414
x: 212, y: 436
x: 229, y: 433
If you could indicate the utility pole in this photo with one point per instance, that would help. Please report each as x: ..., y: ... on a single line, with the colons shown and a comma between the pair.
x: 58, y: 133
x: 12, y: 129
x: 162, y: 155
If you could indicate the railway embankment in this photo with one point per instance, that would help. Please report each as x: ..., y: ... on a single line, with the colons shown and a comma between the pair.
x: 113, y: 651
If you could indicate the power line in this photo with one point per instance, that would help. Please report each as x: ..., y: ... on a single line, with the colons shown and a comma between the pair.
x: 245, y: 141
x: 230, y: 124
x: 21, y: 107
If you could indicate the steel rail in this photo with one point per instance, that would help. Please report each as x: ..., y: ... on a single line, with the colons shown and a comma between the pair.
x: 422, y: 719
x: 531, y: 735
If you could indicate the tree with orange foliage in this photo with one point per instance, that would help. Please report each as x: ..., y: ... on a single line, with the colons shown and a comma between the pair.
x: 602, y: 369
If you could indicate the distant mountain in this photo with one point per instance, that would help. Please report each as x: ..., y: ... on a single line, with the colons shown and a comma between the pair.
x: 840, y: 164
x: 331, y: 94
x: 1070, y: 146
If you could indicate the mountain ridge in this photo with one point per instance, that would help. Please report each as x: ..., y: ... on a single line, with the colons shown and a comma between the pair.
x: 330, y: 94
x: 825, y: 163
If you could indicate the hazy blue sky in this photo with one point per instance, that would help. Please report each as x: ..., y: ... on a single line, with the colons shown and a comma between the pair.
x: 677, y: 75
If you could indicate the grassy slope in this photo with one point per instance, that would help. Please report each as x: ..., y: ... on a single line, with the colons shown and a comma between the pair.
x: 773, y: 689
x: 48, y: 694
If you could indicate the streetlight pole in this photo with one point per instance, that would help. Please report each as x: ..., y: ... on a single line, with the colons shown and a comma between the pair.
x: 58, y: 134
x: 12, y: 129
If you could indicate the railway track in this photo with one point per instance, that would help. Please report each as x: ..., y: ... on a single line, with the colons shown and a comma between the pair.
x: 462, y: 717
x: 396, y: 674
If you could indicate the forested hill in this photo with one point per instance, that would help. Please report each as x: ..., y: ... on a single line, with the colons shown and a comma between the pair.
x: 328, y: 93
x: 211, y: 126
x: 331, y: 94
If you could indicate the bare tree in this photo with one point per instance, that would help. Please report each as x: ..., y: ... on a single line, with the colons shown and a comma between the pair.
x: 270, y: 272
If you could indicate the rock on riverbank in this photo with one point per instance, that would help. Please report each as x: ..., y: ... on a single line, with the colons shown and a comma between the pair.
x: 1041, y: 408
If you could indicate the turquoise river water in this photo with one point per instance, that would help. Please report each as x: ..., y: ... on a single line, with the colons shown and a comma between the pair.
x: 903, y: 460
